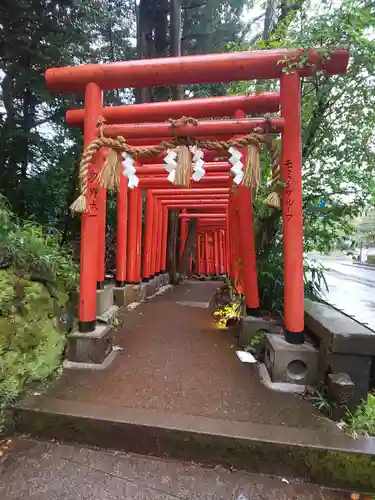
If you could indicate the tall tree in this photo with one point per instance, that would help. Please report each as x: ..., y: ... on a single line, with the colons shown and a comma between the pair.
x: 35, y: 35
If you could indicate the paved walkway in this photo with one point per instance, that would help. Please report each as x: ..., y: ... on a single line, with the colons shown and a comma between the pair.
x: 50, y: 471
x: 174, y: 360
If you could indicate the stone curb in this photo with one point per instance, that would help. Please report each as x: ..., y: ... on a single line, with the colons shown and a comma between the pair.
x: 327, y: 458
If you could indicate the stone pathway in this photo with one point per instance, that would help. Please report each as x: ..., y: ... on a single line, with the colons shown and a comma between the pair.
x: 174, y: 360
x: 51, y: 471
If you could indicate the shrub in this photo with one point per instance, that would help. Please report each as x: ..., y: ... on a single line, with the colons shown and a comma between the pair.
x: 271, y: 281
x: 362, y: 421
x: 30, y: 343
x: 36, y: 278
x: 371, y: 259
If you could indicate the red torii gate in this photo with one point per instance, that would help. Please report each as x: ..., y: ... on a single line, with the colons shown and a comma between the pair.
x: 172, y: 71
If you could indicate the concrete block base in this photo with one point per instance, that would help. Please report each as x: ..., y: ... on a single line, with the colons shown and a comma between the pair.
x: 158, y: 281
x: 278, y: 386
x: 253, y: 327
x: 164, y: 279
x: 357, y: 367
x: 73, y: 365
x: 151, y: 288
x: 108, y: 315
x: 104, y: 300
x: 91, y: 347
x: 140, y: 292
x: 293, y: 363
x: 125, y: 295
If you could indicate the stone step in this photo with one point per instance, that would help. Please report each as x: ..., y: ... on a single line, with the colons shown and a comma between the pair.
x: 316, y: 455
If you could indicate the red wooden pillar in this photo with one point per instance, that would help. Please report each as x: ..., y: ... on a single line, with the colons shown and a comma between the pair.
x: 160, y: 238
x: 198, y: 254
x: 206, y: 254
x: 90, y: 218
x: 159, y: 220
x: 228, y: 249
x: 139, y: 234
x: 221, y: 252
x: 155, y: 226
x: 102, y: 202
x: 132, y: 236
x: 247, y: 248
x: 146, y: 268
x: 216, y: 253
x: 183, y: 234
x: 212, y: 255
x: 237, y: 242
x: 234, y: 235
x: 247, y: 241
x: 165, y: 240
x: 122, y: 231
x: 292, y: 208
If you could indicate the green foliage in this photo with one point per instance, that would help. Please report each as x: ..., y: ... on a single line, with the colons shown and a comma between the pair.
x: 365, y: 228
x: 28, y: 248
x: 371, y: 259
x: 227, y: 312
x: 271, y: 281
x: 362, y: 421
x: 36, y: 276
x: 38, y: 153
x: 30, y: 343
x: 320, y: 401
x: 338, y: 115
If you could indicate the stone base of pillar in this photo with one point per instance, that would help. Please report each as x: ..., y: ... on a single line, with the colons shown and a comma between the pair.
x: 152, y: 287
x: 253, y: 327
x: 108, y: 315
x: 104, y: 300
x: 92, y: 347
x: 125, y: 295
x: 141, y: 292
x: 128, y: 294
x: 292, y: 363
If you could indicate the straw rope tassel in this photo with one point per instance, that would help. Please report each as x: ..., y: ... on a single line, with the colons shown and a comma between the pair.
x: 251, y: 177
x: 184, y: 167
x: 80, y: 204
x: 109, y: 176
x: 274, y: 198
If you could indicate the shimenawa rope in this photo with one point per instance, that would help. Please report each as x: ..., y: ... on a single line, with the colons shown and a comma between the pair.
x: 110, y: 174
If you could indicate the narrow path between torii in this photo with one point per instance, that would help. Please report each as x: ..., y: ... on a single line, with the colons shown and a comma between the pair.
x: 175, y: 361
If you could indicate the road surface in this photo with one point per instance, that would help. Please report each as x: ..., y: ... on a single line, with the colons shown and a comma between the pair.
x: 351, y: 288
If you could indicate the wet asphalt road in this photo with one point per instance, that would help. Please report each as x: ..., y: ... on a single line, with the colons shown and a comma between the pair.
x: 351, y: 288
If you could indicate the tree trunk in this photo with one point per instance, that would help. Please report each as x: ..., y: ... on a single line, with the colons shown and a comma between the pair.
x: 189, y: 247
x: 161, y: 42
x: 144, y: 40
x: 175, y: 36
x: 270, y: 19
x: 28, y: 118
x: 173, y: 224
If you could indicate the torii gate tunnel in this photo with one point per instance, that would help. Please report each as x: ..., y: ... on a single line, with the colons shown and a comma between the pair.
x: 225, y: 233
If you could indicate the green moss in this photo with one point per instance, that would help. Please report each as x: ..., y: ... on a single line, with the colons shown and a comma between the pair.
x: 30, y: 343
x: 36, y: 276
